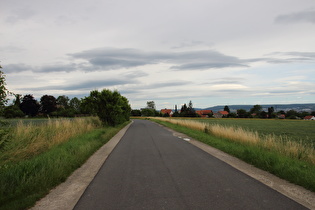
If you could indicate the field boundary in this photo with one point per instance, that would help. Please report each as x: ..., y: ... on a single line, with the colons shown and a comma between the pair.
x: 294, y: 192
x: 66, y: 195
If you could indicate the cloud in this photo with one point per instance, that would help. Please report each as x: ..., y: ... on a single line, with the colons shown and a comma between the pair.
x: 21, y: 14
x: 291, y: 57
x: 85, y: 85
x: 115, y: 58
x: 17, y: 68
x: 303, y: 16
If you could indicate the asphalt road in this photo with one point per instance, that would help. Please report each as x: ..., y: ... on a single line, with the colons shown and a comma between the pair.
x: 152, y: 169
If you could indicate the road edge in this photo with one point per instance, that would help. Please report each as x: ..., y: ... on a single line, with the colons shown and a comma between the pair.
x: 66, y: 195
x: 292, y: 191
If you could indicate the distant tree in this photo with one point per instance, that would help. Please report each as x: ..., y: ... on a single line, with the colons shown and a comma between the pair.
x: 75, y: 104
x: 111, y: 107
x: 148, y: 113
x: 313, y: 113
x: 17, y: 100
x: 242, y: 113
x: 150, y: 105
x: 176, y: 114
x: 188, y: 111
x: 48, y: 104
x: 13, y: 111
x: 263, y: 114
x: 256, y: 109
x: 226, y: 108
x: 135, y: 112
x: 271, y: 112
x: 29, y: 105
x: 63, y: 101
x: 291, y: 114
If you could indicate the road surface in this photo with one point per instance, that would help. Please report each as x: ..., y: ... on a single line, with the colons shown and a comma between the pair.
x: 152, y: 169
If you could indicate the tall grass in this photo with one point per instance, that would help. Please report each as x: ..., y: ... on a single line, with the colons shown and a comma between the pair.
x: 280, y: 144
x: 26, y: 140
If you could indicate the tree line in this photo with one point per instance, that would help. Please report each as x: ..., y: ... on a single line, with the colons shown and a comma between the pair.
x: 110, y: 106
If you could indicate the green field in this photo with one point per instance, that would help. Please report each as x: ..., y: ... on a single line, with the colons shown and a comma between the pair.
x: 297, y: 130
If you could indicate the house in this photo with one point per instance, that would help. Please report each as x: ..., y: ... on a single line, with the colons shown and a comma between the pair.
x: 167, y: 112
x: 204, y: 113
x: 220, y: 114
x: 281, y: 116
x: 310, y: 117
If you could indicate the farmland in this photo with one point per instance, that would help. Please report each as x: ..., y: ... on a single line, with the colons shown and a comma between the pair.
x: 296, y: 130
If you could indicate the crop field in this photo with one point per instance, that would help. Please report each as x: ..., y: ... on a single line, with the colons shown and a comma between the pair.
x: 296, y: 130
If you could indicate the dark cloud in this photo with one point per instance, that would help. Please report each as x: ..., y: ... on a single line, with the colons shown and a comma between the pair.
x: 16, y: 68
x: 20, y: 15
x: 304, y: 16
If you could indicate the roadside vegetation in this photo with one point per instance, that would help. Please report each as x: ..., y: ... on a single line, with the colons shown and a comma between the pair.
x: 288, y: 159
x: 36, y: 158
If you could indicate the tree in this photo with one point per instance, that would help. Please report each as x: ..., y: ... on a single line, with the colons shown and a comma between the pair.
x: 271, y: 112
x: 3, y: 91
x: 17, y: 100
x: 256, y: 110
x: 150, y: 105
x: 29, y: 105
x: 226, y: 108
x: 136, y: 113
x: 48, y: 104
x: 13, y: 111
x: 63, y: 101
x: 176, y: 114
x: 188, y: 111
x: 111, y: 107
x: 242, y: 113
x: 75, y: 104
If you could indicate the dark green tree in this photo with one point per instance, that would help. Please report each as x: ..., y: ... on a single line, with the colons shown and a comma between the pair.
x: 176, y: 114
x: 3, y: 92
x: 226, y: 108
x: 111, y: 107
x: 13, y: 111
x: 75, y: 104
x: 150, y: 105
x: 48, y: 104
x: 29, y: 105
x: 271, y: 112
x: 63, y: 101
x: 136, y: 113
x: 242, y: 113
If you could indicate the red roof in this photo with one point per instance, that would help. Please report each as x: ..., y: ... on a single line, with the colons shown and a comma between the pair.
x: 308, y: 117
x: 223, y: 112
x: 168, y: 111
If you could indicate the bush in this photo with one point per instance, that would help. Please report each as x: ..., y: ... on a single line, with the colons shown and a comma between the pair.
x: 13, y: 112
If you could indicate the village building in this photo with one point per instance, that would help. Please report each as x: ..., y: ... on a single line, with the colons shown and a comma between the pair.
x: 310, y: 117
x: 168, y: 112
x: 220, y: 114
x: 204, y: 113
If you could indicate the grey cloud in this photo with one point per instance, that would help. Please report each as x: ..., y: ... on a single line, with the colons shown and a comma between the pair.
x: 113, y: 58
x: 227, y: 80
x: 16, y: 68
x: 87, y: 85
x: 291, y: 57
x: 21, y: 14
x: 304, y: 16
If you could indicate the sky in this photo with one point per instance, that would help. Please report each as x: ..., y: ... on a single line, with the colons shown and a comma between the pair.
x: 212, y: 52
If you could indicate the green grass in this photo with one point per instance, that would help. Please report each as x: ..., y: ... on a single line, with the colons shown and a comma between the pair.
x: 297, y: 130
x: 22, y: 183
x: 296, y: 171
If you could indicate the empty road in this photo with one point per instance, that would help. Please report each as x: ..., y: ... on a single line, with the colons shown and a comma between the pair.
x: 152, y: 169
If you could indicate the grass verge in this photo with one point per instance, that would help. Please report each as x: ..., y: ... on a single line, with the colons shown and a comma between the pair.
x: 293, y: 170
x: 24, y: 182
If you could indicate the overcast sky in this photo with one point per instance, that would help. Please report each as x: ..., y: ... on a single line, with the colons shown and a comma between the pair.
x: 212, y: 52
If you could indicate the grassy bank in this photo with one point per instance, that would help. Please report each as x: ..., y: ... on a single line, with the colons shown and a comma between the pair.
x: 293, y: 165
x: 26, y: 178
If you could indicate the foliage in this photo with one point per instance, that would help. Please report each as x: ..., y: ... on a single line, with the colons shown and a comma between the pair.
x: 75, y: 104
x: 149, y: 113
x: 226, y: 108
x: 25, y: 181
x: 256, y: 109
x: 110, y: 107
x: 29, y: 105
x: 13, y: 111
x: 136, y: 113
x: 48, y: 104
x: 3, y: 91
x: 151, y: 105
x: 188, y: 111
x: 63, y: 101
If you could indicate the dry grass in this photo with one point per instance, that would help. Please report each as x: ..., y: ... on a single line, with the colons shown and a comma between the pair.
x: 27, y: 140
x: 280, y: 144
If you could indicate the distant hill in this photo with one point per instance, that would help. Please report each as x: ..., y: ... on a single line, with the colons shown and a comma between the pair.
x: 277, y: 107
